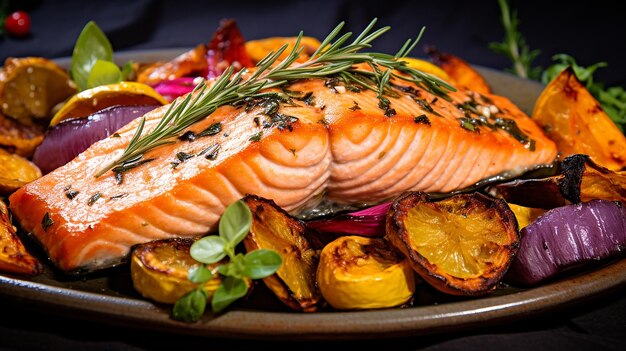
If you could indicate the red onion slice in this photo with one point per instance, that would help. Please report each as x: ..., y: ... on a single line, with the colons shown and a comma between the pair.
x: 69, y: 138
x: 568, y: 236
x: 367, y: 222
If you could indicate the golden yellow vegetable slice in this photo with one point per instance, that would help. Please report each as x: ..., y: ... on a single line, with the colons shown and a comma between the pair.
x: 30, y: 87
x: 160, y: 269
x: 95, y: 99
x: 13, y: 255
x: 363, y: 273
x: 274, y: 229
x: 576, y: 122
x: 461, y: 245
x: 19, y: 138
x: 428, y: 67
x: 15, y: 171
x: 525, y: 215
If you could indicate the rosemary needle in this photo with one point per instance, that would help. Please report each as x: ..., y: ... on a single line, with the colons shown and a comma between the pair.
x: 332, y: 59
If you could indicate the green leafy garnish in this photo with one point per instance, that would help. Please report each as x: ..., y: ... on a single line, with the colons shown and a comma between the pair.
x: 92, y: 60
x: 233, y: 228
x: 514, y: 45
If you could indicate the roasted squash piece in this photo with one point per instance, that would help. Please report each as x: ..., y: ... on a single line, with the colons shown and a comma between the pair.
x: 160, y: 270
x: 461, y: 245
x: 579, y: 179
x: 357, y: 272
x: 189, y: 63
x: 30, y: 87
x: 272, y: 228
x: 258, y: 49
x: 19, y: 138
x: 574, y: 119
x: 525, y: 215
x: 13, y: 255
x: 460, y: 71
x: 15, y: 171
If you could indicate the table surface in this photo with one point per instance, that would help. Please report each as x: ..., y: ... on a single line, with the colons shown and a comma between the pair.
x: 591, y: 32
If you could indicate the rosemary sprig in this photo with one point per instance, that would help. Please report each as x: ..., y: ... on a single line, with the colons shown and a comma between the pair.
x: 334, y: 58
x: 514, y: 45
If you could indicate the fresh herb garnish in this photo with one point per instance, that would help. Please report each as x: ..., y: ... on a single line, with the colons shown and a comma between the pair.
x: 71, y: 194
x: 256, y: 137
x: 92, y: 60
x: 46, y: 222
x: 234, y: 225
x: 514, y: 45
x: 332, y: 59
x: 94, y: 198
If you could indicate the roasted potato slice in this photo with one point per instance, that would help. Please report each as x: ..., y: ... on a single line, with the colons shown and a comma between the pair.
x: 272, y: 228
x: 461, y: 245
x: 357, y: 272
x: 460, y: 71
x: 15, y: 171
x: 574, y: 119
x: 30, y: 87
x: 19, y: 138
x: 579, y: 179
x: 13, y: 255
x: 160, y: 270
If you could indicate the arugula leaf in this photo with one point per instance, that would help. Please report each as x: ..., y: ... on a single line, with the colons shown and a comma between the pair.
x: 92, y: 45
x: 190, y: 307
x: 103, y: 73
x: 228, y: 292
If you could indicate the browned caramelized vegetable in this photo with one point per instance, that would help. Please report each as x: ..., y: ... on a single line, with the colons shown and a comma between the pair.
x: 460, y: 71
x: 190, y: 63
x: 159, y: 270
x: 13, y: 255
x: 461, y: 245
x: 19, y: 138
x: 357, y: 272
x: 258, y: 49
x: 579, y: 179
x: 272, y: 228
x: 30, y: 87
x: 15, y: 171
x: 574, y: 119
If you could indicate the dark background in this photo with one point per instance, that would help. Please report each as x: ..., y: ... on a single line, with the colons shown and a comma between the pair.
x: 591, y: 31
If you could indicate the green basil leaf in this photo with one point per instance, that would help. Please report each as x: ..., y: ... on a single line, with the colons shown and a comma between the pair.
x: 199, y: 274
x: 209, y: 249
x: 261, y: 263
x: 235, y: 222
x: 92, y: 45
x: 128, y: 71
x: 103, y: 73
x: 190, y: 307
x: 228, y: 292
x: 234, y: 268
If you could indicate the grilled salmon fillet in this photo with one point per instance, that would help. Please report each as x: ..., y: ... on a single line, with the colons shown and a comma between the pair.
x: 327, y: 139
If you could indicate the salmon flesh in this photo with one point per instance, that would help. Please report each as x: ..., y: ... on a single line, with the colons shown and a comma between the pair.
x: 326, y: 139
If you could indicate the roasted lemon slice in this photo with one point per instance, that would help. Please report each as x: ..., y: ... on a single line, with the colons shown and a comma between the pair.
x: 95, y: 99
x: 361, y: 273
x: 461, y: 245
x: 525, y: 215
x: 30, y: 87
x: 15, y: 171
x: 160, y: 270
x: 427, y: 67
x: 258, y: 49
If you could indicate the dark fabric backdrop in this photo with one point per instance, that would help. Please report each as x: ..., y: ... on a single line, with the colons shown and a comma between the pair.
x: 590, y: 31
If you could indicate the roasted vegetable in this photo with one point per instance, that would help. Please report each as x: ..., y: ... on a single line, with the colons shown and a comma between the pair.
x: 361, y: 273
x: 462, y: 74
x: 160, y: 270
x: 13, y: 255
x: 367, y: 222
x: 525, y: 215
x: 71, y: 137
x: 567, y: 236
x: 272, y: 228
x: 19, y: 138
x: 95, y: 99
x: 428, y: 67
x: 258, y: 49
x: 30, y: 87
x: 573, y: 118
x: 15, y: 171
x: 578, y: 179
x: 227, y: 47
x: 189, y: 64
x: 461, y: 245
